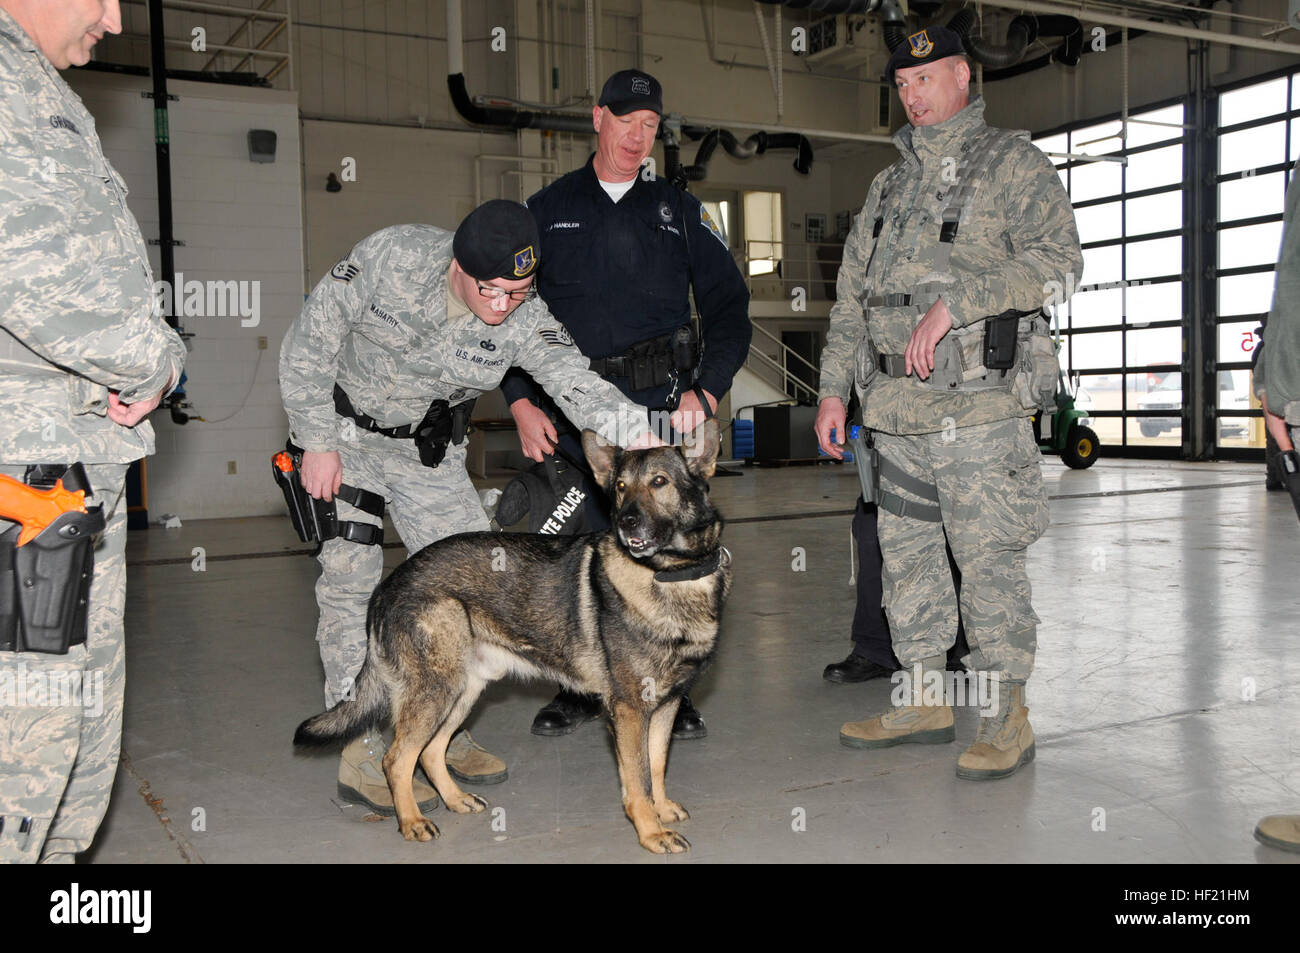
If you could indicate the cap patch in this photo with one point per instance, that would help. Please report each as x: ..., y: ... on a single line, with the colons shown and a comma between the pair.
x: 640, y: 85
x: 525, y: 261
x: 920, y: 44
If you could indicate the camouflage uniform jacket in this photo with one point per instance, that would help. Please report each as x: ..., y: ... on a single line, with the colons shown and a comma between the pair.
x: 380, y: 325
x: 1016, y: 237
x: 1277, y: 371
x: 76, y: 292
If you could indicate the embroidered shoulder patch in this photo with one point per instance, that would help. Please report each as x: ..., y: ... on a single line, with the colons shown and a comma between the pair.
x: 557, y: 336
x: 707, y: 221
x: 344, y: 271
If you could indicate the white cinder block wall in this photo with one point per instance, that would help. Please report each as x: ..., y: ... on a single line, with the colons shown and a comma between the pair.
x: 239, y: 221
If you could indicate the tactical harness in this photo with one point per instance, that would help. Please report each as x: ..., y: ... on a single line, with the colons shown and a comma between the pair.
x: 969, y: 358
x: 1013, y: 351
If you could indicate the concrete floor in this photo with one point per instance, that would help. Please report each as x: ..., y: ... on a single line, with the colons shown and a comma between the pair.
x: 1166, y: 590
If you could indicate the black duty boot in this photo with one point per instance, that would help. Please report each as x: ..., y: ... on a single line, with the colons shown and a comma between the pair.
x: 565, y: 713
x: 855, y: 668
x: 689, y: 723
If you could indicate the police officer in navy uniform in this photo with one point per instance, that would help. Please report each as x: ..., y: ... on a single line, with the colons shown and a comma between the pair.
x: 622, y: 250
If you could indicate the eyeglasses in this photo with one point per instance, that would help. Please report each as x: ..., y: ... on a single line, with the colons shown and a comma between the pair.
x: 493, y: 293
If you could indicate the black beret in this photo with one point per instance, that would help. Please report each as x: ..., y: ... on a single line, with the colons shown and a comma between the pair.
x: 924, y: 46
x: 497, y: 240
x: 629, y: 90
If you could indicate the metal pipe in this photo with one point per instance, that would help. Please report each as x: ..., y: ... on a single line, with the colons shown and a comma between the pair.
x: 591, y: 51
x: 162, y: 154
x: 1151, y: 26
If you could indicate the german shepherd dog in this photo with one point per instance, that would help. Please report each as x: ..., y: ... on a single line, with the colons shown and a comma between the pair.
x: 631, y: 615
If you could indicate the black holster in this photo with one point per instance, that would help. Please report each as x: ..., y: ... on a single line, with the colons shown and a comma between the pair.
x: 45, y: 584
x: 315, y: 520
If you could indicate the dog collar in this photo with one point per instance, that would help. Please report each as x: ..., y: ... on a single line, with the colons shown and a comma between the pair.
x: 721, y: 557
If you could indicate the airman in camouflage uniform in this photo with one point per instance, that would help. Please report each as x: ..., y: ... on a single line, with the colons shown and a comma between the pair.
x: 388, y: 326
x: 1277, y: 385
x: 83, y: 359
x: 951, y: 426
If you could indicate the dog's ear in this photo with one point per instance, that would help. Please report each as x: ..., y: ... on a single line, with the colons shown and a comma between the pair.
x: 700, y: 448
x: 601, y: 454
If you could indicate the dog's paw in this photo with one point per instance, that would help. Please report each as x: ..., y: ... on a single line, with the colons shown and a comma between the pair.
x: 670, y: 811
x: 421, y: 829
x: 666, y: 842
x: 467, y: 804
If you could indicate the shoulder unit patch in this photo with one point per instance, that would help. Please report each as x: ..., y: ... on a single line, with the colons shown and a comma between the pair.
x: 707, y: 221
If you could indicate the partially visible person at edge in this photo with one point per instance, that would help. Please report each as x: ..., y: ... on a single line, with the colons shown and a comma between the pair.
x: 84, y: 359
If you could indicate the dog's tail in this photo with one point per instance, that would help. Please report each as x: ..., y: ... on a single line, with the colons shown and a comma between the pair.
x: 352, y: 717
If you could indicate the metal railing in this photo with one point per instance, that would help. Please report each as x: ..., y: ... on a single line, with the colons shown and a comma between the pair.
x: 779, y: 372
x: 787, y: 266
x: 811, y: 266
x: 279, y: 34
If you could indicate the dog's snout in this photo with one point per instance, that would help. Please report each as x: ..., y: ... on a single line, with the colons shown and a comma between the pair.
x: 628, y: 520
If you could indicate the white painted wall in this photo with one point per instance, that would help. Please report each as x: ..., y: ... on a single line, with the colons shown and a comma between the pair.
x: 239, y: 221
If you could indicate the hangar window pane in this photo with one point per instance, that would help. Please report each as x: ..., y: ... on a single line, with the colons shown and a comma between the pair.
x: 1251, y: 245
x: 1097, y: 351
x: 1162, y: 301
x: 1252, y: 148
x: 1103, y: 265
x: 1253, y: 102
x: 1143, y: 134
x: 1237, y: 342
x: 1154, y: 213
x: 1090, y: 309
x: 1155, y: 346
x: 1245, y: 294
x: 1154, y: 259
x: 1146, y: 170
x: 1098, y: 223
x: 1094, y: 180
x: 1250, y: 196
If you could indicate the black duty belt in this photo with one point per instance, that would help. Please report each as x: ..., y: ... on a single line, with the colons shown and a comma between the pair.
x: 343, y: 404
x: 654, y: 361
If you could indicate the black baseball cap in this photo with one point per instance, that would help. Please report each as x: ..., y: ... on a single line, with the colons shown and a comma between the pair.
x: 497, y: 240
x: 629, y: 90
x: 924, y: 46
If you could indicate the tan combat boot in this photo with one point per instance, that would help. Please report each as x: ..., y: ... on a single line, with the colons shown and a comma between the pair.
x: 1004, y: 741
x: 362, y: 781
x: 1281, y: 831
x: 904, y: 724
x: 471, y: 764
x: 910, y: 724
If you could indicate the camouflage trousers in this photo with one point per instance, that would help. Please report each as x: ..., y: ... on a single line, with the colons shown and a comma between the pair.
x: 993, y: 503
x: 425, y: 504
x: 61, y: 715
